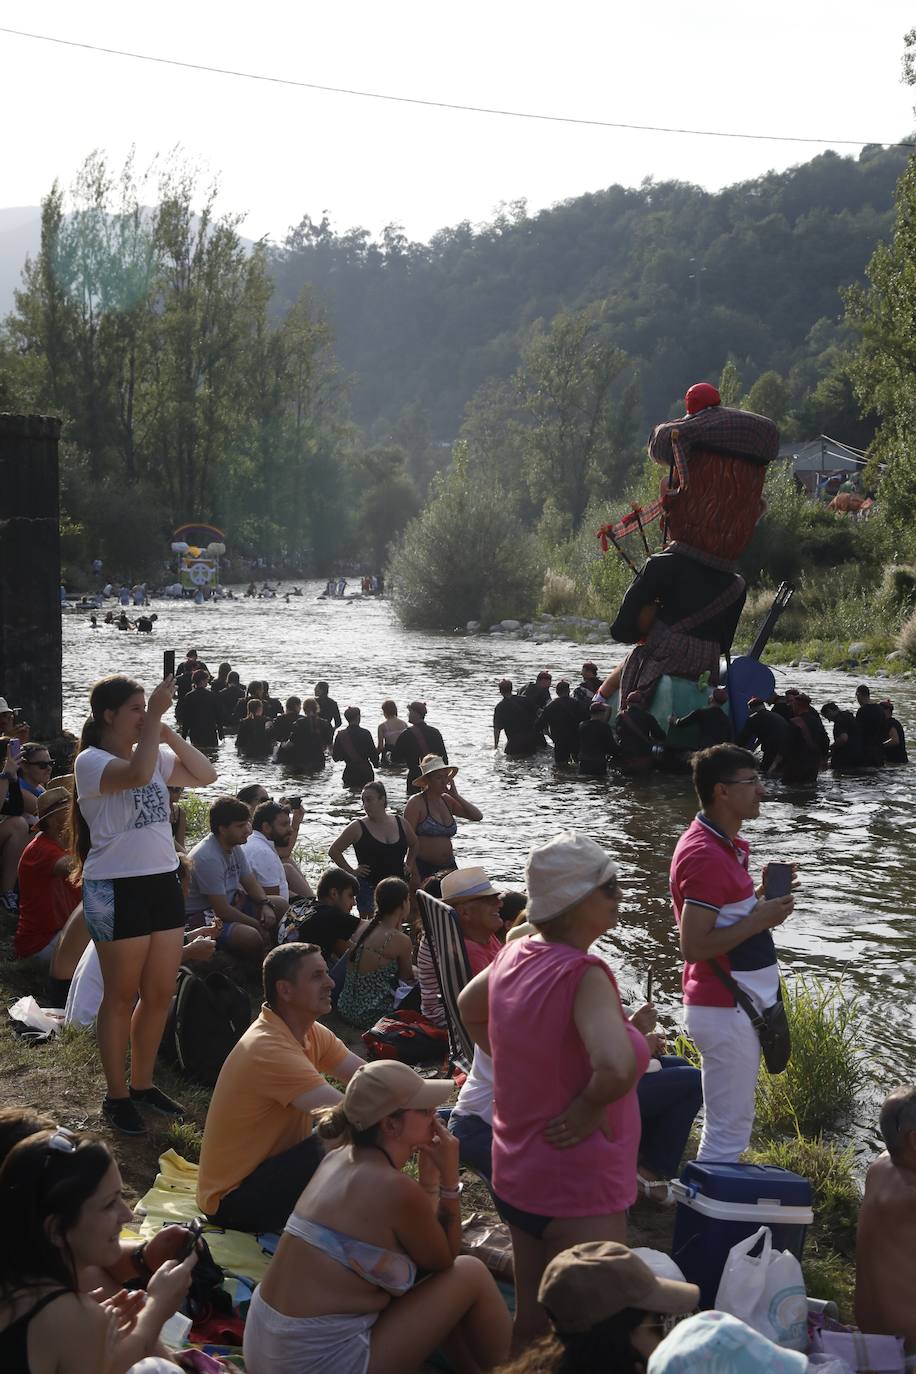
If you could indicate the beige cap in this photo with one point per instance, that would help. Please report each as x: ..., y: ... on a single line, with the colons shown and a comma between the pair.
x: 561, y: 872
x: 387, y: 1086
x: 590, y: 1282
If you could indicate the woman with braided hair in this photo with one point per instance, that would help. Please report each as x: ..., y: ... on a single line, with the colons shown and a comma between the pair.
x: 382, y: 957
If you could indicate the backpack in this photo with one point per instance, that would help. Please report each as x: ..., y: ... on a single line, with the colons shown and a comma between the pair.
x: 208, y: 1016
x: 406, y: 1036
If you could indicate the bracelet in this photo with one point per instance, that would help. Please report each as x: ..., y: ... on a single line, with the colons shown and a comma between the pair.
x: 451, y: 1194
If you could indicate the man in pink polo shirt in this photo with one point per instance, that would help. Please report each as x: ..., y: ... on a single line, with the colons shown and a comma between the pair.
x: 722, y: 917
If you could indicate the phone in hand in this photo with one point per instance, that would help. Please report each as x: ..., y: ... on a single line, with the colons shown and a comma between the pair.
x: 168, y: 663
x: 650, y: 978
x: 195, y: 1230
x: 778, y: 881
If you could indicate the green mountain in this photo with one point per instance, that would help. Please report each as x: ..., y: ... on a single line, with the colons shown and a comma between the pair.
x: 685, y: 279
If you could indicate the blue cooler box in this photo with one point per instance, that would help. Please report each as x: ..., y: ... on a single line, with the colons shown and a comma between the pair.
x: 720, y: 1204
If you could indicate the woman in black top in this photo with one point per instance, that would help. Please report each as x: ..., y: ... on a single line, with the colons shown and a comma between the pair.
x: 252, y: 735
x: 309, y: 738
x: 894, y: 737
x: 383, y: 842
x: 356, y: 749
x: 15, y: 804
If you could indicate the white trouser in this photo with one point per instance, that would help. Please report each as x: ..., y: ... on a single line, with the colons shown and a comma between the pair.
x: 730, y: 1048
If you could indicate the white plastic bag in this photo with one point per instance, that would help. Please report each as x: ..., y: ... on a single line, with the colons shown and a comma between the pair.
x: 767, y: 1292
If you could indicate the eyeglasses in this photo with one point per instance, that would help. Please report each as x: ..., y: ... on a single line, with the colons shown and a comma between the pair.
x: 38, y: 763
x: 739, y: 782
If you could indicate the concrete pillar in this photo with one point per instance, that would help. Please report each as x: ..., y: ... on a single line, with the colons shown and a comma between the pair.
x: 30, y: 626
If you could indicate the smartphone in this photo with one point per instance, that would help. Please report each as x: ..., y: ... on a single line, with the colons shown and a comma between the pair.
x: 779, y: 880
x: 168, y: 663
x: 194, y: 1229
x: 649, y: 981
x: 294, y: 803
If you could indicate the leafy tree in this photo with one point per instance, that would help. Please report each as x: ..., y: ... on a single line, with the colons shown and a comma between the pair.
x: 388, y: 500
x: 729, y: 384
x: 463, y: 558
x: 768, y: 396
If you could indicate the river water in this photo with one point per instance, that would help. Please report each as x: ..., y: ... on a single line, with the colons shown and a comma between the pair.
x: 852, y: 837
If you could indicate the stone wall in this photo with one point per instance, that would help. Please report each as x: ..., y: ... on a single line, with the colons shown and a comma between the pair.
x: 30, y: 623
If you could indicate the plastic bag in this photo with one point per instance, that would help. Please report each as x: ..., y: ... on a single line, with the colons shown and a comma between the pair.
x: 766, y: 1291
x: 877, y: 1354
x: 34, y: 1022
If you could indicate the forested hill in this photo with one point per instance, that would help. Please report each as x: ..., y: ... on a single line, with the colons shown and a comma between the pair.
x: 686, y: 279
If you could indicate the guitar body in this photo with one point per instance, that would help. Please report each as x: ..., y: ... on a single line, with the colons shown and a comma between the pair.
x: 747, y: 677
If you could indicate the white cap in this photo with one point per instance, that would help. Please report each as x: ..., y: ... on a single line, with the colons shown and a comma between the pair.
x: 561, y: 872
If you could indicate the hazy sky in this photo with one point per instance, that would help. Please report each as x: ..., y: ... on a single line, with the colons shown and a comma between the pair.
x: 828, y: 69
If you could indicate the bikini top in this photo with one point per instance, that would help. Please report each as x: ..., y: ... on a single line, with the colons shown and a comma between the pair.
x: 14, y: 1339
x: 434, y: 829
x: 389, y: 1270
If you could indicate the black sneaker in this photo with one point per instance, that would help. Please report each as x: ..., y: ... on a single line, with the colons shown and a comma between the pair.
x: 157, y: 1101
x: 121, y: 1113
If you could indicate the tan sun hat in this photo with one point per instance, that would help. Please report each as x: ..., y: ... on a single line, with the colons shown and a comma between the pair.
x: 387, y: 1086
x: 52, y: 799
x: 432, y: 763
x: 590, y: 1282
x: 464, y: 883
x: 561, y: 872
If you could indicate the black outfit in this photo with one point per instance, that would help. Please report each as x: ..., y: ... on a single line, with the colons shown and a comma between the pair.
x: 14, y: 1339
x: 596, y: 746
x: 281, y: 728
x: 635, y: 729
x: 873, y: 723
x: 818, y: 734
x: 804, y: 758
x: 771, y: 730
x: 356, y: 749
x: 852, y: 753
x: 561, y: 718
x: 782, y: 708
x: 713, y: 725
x: 582, y: 693
x: 680, y: 585
x: 199, y: 718
x: 382, y: 860
x: 228, y: 700
x: 264, y: 1200
x: 412, y: 745
x: 324, y: 925
x: 537, y: 696
x: 306, y: 746
x: 252, y: 736
x: 515, y: 716
x: 13, y: 804
x: 895, y: 753
x: 329, y: 710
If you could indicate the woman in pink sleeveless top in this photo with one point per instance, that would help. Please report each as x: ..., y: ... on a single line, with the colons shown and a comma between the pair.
x: 566, y: 1062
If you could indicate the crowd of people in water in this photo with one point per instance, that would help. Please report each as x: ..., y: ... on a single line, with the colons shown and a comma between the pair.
x: 571, y: 1109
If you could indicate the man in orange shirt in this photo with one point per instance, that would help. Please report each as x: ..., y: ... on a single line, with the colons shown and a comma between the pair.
x: 258, y: 1151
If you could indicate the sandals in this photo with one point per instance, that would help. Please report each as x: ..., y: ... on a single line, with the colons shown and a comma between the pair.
x: 657, y: 1190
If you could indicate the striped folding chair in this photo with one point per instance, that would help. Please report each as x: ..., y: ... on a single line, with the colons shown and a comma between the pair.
x: 450, y: 960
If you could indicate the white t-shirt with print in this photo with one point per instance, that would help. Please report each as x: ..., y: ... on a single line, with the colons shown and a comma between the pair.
x: 131, y: 832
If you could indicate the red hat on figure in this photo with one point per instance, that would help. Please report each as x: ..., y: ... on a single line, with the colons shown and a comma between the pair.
x: 700, y: 396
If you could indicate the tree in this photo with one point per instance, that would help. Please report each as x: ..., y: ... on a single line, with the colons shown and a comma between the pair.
x: 730, y: 384
x: 388, y: 501
x: 768, y: 396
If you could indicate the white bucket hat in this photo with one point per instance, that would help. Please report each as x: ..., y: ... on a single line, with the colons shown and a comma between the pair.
x: 464, y: 883
x: 561, y: 872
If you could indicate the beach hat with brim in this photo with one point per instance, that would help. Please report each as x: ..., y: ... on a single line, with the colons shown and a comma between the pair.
x: 433, y: 764
x: 385, y: 1087
x: 585, y: 1285
x: 52, y: 799
x: 5, y: 707
x: 464, y: 884
x: 561, y: 872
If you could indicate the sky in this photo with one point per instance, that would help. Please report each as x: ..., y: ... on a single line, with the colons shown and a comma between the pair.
x: 825, y: 69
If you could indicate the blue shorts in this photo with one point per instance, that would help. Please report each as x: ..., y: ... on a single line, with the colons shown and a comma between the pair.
x: 125, y: 908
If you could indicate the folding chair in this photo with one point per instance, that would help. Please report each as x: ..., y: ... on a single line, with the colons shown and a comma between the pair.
x: 453, y: 971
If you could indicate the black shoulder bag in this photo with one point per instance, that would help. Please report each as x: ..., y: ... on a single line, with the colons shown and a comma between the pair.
x: 771, y: 1024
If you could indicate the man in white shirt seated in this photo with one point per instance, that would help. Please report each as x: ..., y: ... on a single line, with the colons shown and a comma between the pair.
x: 271, y: 828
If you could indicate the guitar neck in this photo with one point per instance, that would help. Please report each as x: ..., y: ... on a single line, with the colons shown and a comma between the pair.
x: 781, y: 600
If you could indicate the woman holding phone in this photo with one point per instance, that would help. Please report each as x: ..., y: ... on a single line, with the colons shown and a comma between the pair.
x: 126, y: 860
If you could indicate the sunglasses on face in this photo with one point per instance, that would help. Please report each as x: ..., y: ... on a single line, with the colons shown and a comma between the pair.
x: 38, y: 763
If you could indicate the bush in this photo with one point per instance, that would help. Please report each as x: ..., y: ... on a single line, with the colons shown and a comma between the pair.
x: 463, y: 559
x: 559, y: 595
x: 906, y: 640
x: 829, y: 1168
x: 818, y: 1088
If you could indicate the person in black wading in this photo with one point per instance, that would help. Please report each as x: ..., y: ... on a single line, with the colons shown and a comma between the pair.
x: 810, y: 745
x: 895, y: 741
x: 768, y: 729
x: 355, y: 748
x: 228, y: 699
x: 327, y: 921
x: 584, y: 691
x: 596, y: 742
x: 847, y: 749
x: 513, y: 715
x: 636, y: 734
x: 198, y: 713
x: 414, y: 743
x: 538, y: 692
x: 712, y: 725
x: 561, y: 718
x: 871, y: 720
x: 327, y: 706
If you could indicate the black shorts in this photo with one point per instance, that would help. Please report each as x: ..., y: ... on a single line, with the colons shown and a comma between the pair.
x: 532, y: 1223
x: 123, y: 908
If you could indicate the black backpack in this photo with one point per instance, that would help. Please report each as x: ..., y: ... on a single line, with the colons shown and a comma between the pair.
x: 208, y: 1016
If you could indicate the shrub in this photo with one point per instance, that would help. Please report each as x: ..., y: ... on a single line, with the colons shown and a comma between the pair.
x: 559, y: 595
x: 829, y: 1168
x: 464, y: 558
x: 818, y: 1088
x: 906, y: 639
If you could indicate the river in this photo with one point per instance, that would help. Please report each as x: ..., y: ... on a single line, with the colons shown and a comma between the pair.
x: 852, y: 837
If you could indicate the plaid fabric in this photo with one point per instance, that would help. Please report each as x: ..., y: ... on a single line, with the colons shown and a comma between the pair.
x: 719, y: 429
x: 673, y: 649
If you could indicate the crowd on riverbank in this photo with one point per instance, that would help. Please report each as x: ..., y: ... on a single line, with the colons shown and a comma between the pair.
x: 570, y: 1110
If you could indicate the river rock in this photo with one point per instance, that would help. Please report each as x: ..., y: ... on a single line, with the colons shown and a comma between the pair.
x: 472, y: 626
x: 895, y: 656
x: 593, y: 638
x: 545, y: 615
x: 511, y: 624
x: 857, y: 649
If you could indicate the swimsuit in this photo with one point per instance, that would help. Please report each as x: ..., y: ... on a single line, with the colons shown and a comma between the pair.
x: 14, y: 1339
x: 432, y: 829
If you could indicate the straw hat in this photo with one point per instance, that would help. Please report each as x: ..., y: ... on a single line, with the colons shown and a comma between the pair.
x: 433, y: 763
x: 52, y: 799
